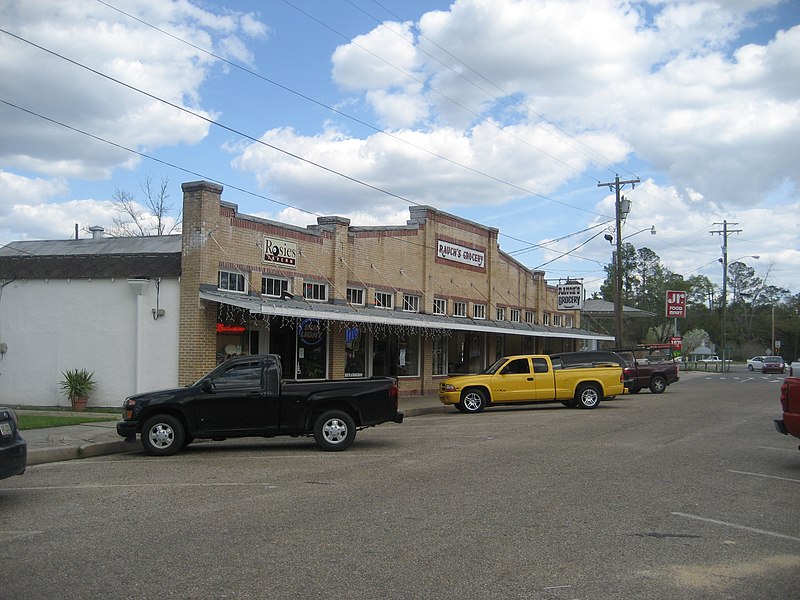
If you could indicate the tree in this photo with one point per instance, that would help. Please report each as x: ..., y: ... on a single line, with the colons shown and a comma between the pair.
x: 693, y: 339
x: 702, y: 290
x: 151, y: 218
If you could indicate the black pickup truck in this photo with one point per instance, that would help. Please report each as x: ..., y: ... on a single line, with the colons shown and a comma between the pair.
x: 651, y: 366
x: 246, y: 396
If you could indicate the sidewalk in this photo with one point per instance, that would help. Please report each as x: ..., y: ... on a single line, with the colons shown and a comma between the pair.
x: 96, y: 439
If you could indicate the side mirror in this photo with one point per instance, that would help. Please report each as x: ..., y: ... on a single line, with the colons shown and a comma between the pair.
x: 207, y: 386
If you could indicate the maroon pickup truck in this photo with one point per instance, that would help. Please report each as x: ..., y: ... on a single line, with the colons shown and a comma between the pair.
x: 790, y: 404
x: 651, y: 367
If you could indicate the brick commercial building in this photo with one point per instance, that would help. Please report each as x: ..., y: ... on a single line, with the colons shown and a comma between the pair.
x: 420, y: 301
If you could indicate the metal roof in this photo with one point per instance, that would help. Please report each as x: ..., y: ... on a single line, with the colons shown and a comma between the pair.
x: 158, y: 244
x: 301, y: 308
x: 153, y: 256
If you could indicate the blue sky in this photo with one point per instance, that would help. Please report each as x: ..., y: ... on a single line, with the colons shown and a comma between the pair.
x: 505, y: 112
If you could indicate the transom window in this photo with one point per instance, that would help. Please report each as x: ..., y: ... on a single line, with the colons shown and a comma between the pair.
x: 315, y: 291
x: 384, y: 300
x: 410, y: 303
x: 501, y: 313
x: 557, y: 320
x: 355, y: 296
x: 546, y: 319
x: 232, y: 281
x: 439, y: 306
x: 479, y: 311
x: 459, y: 309
x: 514, y: 315
x: 530, y: 316
x: 274, y: 286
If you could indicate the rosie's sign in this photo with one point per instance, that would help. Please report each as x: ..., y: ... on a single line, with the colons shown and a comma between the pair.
x: 281, y: 253
x: 460, y: 254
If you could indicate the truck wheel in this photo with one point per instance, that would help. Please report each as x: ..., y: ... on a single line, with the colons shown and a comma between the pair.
x: 472, y: 401
x: 658, y: 384
x: 334, y: 430
x: 634, y: 390
x: 588, y: 395
x: 162, y: 435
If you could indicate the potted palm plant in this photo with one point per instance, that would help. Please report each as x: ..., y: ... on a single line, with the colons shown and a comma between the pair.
x: 77, y: 385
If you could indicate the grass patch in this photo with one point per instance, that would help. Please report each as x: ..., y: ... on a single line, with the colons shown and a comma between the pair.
x: 43, y: 421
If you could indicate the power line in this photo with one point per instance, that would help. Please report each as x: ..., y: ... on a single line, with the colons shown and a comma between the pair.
x: 245, y: 135
x: 437, y: 92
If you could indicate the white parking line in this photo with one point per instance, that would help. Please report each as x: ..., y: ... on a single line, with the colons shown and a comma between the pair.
x: 763, y: 475
x: 735, y: 526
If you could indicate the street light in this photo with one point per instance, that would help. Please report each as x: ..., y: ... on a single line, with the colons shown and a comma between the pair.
x: 617, y: 259
x: 724, y: 261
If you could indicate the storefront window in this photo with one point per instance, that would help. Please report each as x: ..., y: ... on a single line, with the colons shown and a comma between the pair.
x: 440, y: 355
x: 408, y: 355
x: 395, y: 355
x: 312, y: 358
x: 355, y: 352
x: 465, y: 352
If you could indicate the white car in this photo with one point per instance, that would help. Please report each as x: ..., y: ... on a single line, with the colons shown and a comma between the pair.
x: 755, y: 363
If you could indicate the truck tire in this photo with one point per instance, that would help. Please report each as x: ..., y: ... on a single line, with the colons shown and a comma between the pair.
x: 473, y: 400
x: 162, y: 435
x: 658, y: 384
x: 588, y: 395
x: 334, y: 430
x: 634, y: 389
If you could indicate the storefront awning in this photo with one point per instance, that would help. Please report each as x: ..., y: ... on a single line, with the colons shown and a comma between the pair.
x: 303, y: 309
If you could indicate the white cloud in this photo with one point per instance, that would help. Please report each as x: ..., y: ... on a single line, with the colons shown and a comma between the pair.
x: 96, y: 36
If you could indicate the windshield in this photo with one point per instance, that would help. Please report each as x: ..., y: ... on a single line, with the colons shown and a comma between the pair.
x: 491, y: 370
x: 774, y: 359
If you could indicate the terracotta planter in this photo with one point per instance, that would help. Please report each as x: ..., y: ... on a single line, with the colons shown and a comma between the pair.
x: 79, y: 403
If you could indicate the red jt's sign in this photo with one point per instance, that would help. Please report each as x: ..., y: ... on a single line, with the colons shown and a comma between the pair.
x: 676, y: 304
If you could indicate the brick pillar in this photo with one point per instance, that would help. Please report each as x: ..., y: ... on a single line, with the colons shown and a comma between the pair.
x: 200, y: 258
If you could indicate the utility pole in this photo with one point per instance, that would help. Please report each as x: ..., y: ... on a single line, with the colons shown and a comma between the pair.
x: 617, y: 185
x: 724, y: 233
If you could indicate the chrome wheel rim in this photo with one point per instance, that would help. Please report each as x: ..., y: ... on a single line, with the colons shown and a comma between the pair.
x: 334, y: 431
x: 161, y: 435
x: 589, y: 397
x: 472, y: 401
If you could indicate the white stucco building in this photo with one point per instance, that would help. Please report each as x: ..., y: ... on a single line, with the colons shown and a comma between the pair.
x: 109, y: 305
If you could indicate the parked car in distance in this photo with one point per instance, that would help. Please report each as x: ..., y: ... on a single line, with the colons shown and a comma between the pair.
x: 789, y: 423
x: 13, y: 449
x: 713, y: 359
x: 649, y: 366
x: 755, y: 363
x: 773, y: 364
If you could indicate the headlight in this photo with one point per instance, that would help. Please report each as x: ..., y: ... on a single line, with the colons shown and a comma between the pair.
x: 449, y: 387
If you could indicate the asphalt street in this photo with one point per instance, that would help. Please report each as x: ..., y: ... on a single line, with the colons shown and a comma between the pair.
x: 688, y: 494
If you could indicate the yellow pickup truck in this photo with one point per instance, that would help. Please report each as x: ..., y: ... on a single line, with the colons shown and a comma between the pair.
x: 532, y: 378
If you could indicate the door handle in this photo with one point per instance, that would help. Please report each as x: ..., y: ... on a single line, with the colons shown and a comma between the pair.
x: 530, y: 378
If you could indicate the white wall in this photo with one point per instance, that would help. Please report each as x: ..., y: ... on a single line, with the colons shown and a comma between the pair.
x: 58, y: 324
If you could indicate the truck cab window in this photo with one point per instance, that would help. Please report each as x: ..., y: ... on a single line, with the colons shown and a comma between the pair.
x: 247, y: 375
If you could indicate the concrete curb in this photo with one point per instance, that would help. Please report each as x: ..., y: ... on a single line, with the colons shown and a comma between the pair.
x: 60, y: 453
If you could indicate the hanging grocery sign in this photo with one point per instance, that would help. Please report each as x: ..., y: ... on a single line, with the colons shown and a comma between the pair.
x: 570, y: 296
x: 460, y: 254
x: 676, y: 304
x: 281, y: 253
